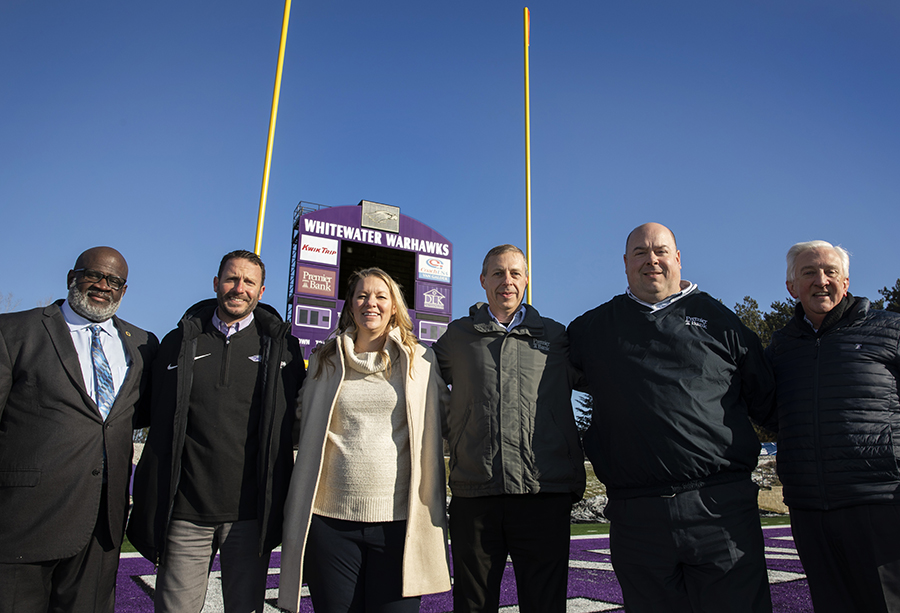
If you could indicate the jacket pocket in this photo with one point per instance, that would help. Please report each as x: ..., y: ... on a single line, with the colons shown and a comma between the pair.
x: 471, y: 449
x: 20, y: 478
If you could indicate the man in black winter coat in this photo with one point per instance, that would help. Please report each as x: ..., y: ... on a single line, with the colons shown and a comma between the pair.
x: 216, y: 468
x: 836, y: 366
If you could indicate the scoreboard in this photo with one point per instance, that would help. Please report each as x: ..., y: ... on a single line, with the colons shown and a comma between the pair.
x: 330, y: 243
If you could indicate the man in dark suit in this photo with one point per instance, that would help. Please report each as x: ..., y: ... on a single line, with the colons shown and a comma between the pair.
x: 71, y: 377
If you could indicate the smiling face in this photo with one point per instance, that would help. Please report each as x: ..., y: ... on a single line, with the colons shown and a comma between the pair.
x: 96, y: 300
x: 652, y: 263
x: 372, y: 308
x: 819, y: 282
x: 504, y: 281
x: 238, y: 289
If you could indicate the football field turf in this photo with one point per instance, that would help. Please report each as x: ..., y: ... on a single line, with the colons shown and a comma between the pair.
x: 592, y: 583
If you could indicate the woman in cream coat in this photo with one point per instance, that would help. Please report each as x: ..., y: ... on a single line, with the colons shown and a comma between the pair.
x: 368, y: 488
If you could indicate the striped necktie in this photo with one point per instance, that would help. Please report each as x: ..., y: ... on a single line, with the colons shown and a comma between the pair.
x: 103, y: 383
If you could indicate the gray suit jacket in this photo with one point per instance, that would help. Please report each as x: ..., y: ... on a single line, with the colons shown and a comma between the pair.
x: 52, y: 437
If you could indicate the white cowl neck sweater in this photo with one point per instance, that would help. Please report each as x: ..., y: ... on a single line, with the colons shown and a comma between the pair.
x: 365, y: 469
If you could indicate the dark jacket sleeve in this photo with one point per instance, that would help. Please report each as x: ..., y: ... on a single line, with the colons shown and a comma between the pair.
x: 142, y: 409
x: 441, y: 349
x: 757, y: 381
x: 5, y: 374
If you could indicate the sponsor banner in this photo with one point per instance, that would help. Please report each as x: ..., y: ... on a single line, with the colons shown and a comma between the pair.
x: 318, y: 249
x: 432, y: 297
x: 434, y: 269
x: 316, y: 281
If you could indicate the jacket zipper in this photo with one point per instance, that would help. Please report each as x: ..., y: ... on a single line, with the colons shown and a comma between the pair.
x: 817, y: 425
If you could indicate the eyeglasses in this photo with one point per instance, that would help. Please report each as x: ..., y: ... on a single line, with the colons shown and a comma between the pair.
x: 95, y: 276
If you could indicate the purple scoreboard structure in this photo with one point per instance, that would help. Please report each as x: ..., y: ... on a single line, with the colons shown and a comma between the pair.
x: 330, y: 243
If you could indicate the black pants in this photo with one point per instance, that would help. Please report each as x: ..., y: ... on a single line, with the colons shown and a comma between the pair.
x: 356, y: 567
x: 851, y: 557
x: 533, y: 529
x: 83, y: 583
x: 698, y: 551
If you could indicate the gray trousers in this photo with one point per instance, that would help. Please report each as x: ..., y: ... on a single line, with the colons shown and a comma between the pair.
x: 190, y: 549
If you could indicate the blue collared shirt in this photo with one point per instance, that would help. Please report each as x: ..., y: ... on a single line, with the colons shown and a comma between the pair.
x: 113, y: 348
x: 516, y: 320
x: 234, y: 328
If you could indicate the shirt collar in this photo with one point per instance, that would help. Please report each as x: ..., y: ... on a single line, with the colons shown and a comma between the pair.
x: 77, y: 322
x: 234, y: 328
x: 811, y: 324
x: 516, y: 320
x: 686, y: 288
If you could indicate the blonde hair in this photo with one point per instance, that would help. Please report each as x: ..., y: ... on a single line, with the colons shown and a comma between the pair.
x: 400, y: 320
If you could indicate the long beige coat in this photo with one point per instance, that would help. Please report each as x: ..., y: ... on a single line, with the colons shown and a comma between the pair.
x: 426, y: 568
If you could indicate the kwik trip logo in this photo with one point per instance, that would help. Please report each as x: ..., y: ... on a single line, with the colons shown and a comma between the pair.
x: 319, y: 249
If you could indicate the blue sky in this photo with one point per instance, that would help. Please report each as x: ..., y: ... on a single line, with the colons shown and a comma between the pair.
x: 744, y: 126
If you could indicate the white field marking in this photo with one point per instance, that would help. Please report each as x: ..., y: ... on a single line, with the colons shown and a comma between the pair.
x: 783, y: 576
x: 587, y: 564
x: 214, y: 602
x: 577, y: 605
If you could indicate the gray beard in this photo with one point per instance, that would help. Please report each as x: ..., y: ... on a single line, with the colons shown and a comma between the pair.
x: 80, y: 304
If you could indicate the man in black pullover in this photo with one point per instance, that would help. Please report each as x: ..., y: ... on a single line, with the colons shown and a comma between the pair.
x: 216, y: 468
x: 674, y: 377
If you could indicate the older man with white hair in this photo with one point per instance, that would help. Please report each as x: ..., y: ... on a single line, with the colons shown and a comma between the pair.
x: 836, y: 368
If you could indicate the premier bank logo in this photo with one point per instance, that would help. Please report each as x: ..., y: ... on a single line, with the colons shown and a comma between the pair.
x: 321, y: 283
x: 316, y: 281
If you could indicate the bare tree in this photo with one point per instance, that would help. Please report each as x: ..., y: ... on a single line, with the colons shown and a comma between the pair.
x: 8, y: 303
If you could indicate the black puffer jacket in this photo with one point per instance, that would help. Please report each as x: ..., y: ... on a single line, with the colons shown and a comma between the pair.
x: 838, y: 408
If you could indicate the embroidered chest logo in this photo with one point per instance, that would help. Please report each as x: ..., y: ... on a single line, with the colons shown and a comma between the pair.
x: 695, y: 321
x: 540, y: 345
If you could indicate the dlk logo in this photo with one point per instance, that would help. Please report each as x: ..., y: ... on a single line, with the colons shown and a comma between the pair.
x: 434, y: 299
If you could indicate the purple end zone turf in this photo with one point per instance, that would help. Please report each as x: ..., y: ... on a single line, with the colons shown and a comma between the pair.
x: 592, y: 583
